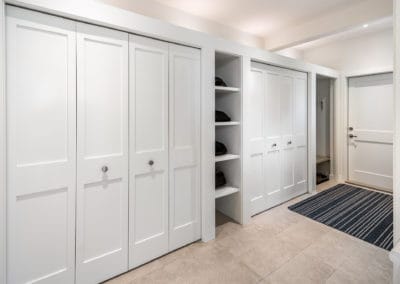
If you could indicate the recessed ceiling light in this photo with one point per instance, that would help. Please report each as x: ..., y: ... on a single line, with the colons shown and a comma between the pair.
x: 365, y: 26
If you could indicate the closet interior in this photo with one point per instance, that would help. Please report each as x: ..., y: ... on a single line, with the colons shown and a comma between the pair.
x: 324, y: 130
x: 228, y: 135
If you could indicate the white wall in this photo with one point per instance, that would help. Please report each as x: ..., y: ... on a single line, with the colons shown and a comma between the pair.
x: 158, y: 11
x: 368, y: 52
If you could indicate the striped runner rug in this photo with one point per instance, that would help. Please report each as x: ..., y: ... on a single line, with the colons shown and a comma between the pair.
x: 364, y: 214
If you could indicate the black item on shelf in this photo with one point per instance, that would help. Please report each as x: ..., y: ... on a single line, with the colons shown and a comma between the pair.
x: 220, y: 82
x: 221, y: 116
x: 322, y: 178
x: 220, y: 149
x: 220, y: 179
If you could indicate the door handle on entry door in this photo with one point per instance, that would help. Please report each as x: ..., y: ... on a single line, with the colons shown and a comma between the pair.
x: 352, y: 136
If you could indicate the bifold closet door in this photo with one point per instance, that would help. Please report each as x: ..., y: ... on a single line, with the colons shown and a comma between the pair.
x: 102, y: 153
x: 41, y: 127
x: 256, y: 149
x: 148, y: 209
x: 184, y: 145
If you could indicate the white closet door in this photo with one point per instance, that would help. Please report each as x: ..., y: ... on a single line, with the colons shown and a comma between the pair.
x: 273, y: 147
x: 148, y: 236
x: 256, y: 149
x: 41, y: 112
x: 300, y: 132
x: 184, y: 145
x: 102, y: 193
x: 288, y: 148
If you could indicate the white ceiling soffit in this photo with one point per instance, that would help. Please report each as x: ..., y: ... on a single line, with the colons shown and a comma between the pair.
x: 361, y: 30
x: 286, y: 23
x: 270, y: 24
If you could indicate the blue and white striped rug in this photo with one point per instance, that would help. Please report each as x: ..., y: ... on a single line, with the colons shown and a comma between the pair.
x: 364, y: 214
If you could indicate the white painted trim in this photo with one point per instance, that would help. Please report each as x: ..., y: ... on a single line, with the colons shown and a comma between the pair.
x: 3, y: 211
x: 207, y: 145
x: 312, y: 132
x: 396, y: 140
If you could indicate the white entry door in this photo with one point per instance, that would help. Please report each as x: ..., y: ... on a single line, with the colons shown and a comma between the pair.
x: 148, y: 185
x: 184, y: 145
x: 102, y: 151
x: 370, y: 130
x: 41, y: 139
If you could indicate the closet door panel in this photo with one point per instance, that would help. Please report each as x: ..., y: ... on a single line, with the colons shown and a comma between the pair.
x: 102, y: 195
x: 184, y: 145
x: 148, y: 210
x: 272, y: 148
x: 41, y: 137
x: 300, y: 132
x: 255, y: 128
x: 288, y: 150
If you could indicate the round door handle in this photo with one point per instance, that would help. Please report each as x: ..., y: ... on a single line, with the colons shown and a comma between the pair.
x: 151, y: 162
x: 104, y: 169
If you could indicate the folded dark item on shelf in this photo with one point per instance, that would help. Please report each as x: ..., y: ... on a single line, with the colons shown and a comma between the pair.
x: 221, y: 116
x: 219, y: 82
x: 220, y: 149
x: 220, y: 179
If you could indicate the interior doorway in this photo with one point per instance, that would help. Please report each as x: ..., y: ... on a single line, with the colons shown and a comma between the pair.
x: 324, y: 129
x: 370, y: 131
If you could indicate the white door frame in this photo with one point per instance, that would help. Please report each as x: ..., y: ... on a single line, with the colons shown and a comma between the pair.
x: 345, y: 113
x: 334, y: 114
x: 3, y: 217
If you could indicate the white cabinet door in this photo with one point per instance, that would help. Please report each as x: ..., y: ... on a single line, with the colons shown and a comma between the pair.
x: 41, y: 127
x: 102, y: 187
x: 184, y: 145
x: 255, y: 127
x: 148, y: 208
x: 370, y: 142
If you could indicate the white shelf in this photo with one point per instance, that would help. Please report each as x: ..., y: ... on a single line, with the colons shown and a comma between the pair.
x: 225, y: 90
x: 226, y: 157
x: 322, y: 159
x: 227, y: 123
x: 225, y: 190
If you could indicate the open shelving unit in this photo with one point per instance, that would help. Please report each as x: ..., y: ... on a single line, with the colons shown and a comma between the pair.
x: 228, y: 198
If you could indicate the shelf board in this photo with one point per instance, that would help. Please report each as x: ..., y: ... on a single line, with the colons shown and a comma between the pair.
x: 226, y: 90
x: 322, y: 159
x: 227, y: 123
x: 225, y: 191
x: 226, y: 157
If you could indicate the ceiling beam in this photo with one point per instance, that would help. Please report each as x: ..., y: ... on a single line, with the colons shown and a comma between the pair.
x: 328, y: 24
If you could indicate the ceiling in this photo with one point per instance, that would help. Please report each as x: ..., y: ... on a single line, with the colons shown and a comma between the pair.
x: 270, y: 24
x: 258, y: 17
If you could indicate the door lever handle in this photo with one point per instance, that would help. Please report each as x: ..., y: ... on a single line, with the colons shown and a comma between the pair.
x: 352, y: 136
x: 274, y: 145
x: 289, y: 142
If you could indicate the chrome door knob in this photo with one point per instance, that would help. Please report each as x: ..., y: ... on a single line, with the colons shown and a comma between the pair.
x: 104, y: 169
x: 151, y: 162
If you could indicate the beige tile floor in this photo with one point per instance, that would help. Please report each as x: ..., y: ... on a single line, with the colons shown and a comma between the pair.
x: 278, y: 246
